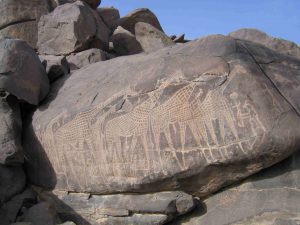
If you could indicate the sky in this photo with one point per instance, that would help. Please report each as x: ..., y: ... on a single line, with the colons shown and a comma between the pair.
x: 197, y: 18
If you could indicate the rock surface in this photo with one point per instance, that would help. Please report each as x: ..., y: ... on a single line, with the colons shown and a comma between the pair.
x: 139, y: 15
x: 20, y: 20
x: 277, y: 44
x: 85, y: 58
x: 41, y: 213
x: 110, y: 17
x: 10, y: 130
x: 12, y: 180
x: 150, y: 38
x: 125, y: 43
x: 70, y: 28
x: 21, y: 71
x: 120, y: 208
x: 270, y: 197
x: 92, y: 3
x: 182, y: 118
x: 56, y: 66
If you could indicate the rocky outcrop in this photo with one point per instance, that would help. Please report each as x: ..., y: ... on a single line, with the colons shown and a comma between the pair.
x: 270, y: 197
x: 20, y: 20
x: 92, y: 3
x: 71, y: 27
x: 150, y: 38
x: 182, y: 118
x: 277, y: 44
x: 10, y: 130
x: 21, y: 71
x: 125, y: 43
x: 85, y: 58
x: 12, y: 183
x: 139, y: 15
x: 120, y: 208
x: 56, y: 66
x: 110, y: 17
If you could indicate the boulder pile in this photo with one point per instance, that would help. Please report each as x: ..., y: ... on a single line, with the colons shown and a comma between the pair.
x: 108, y: 120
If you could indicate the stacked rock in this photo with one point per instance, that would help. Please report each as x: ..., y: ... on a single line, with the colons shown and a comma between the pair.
x: 139, y: 139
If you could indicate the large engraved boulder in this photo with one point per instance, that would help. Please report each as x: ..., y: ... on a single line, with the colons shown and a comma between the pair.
x: 192, y: 117
x: 20, y: 20
x: 270, y: 197
x: 70, y: 28
x: 277, y: 44
x: 21, y: 72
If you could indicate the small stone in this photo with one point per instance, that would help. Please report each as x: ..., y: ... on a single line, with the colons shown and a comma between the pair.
x: 56, y: 66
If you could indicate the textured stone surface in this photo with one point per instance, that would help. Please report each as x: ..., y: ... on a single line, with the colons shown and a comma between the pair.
x: 150, y: 38
x: 11, y: 209
x: 12, y: 180
x: 69, y: 28
x: 92, y: 3
x: 270, y: 197
x: 157, y: 208
x: 139, y: 15
x: 21, y: 20
x: 110, y: 17
x: 182, y: 118
x: 125, y: 43
x: 277, y: 44
x: 27, y: 31
x: 41, y: 213
x: 21, y: 71
x: 85, y: 58
x: 56, y: 66
x: 10, y: 130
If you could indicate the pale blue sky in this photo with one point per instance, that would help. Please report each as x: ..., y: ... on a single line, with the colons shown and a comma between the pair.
x: 196, y: 18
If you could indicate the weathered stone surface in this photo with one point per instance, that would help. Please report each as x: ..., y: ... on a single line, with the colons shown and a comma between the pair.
x: 92, y: 3
x: 182, y: 118
x: 13, y: 207
x: 150, y: 38
x: 12, y: 12
x: 139, y: 15
x: 157, y: 208
x: 270, y: 197
x: 21, y: 20
x: 41, y: 213
x: 26, y: 31
x: 56, y: 66
x: 12, y: 182
x: 69, y: 28
x: 277, y: 44
x: 10, y: 130
x: 110, y: 17
x: 87, y: 57
x: 125, y: 43
x: 21, y: 71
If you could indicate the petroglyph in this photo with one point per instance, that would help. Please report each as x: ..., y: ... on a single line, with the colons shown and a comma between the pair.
x: 168, y: 124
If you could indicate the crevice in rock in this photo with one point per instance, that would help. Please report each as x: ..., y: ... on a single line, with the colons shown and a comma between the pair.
x: 270, y: 79
x: 17, y: 22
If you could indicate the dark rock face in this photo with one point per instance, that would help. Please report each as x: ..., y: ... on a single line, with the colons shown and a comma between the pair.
x: 10, y: 130
x: 139, y: 15
x: 157, y: 208
x: 85, y: 58
x: 21, y: 71
x: 270, y: 197
x: 182, y: 118
x: 125, y: 43
x: 12, y: 180
x: 110, y: 17
x: 20, y: 20
x: 150, y: 38
x: 92, y: 3
x: 277, y: 44
x: 70, y: 28
x: 56, y: 66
